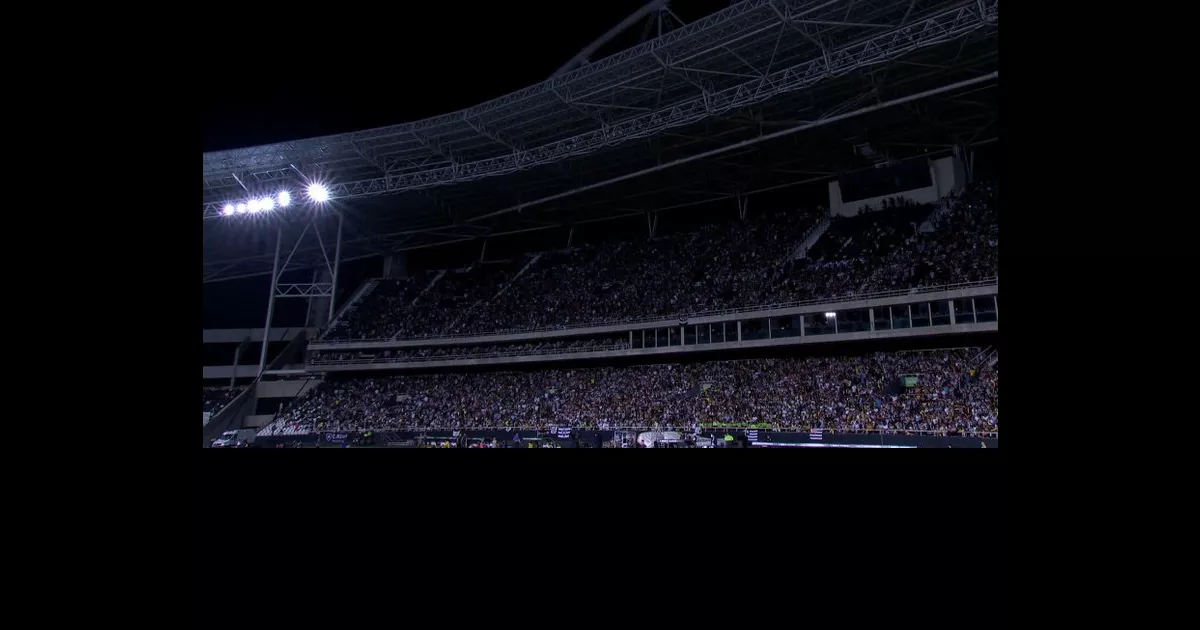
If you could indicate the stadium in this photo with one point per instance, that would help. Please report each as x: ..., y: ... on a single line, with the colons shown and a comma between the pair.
x: 769, y: 225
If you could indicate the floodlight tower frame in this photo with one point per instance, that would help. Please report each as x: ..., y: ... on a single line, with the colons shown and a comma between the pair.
x: 307, y: 290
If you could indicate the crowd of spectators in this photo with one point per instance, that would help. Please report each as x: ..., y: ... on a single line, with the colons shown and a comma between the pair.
x: 215, y: 398
x: 897, y: 246
x: 961, y: 246
x: 373, y: 316
x: 713, y: 267
x: 842, y: 394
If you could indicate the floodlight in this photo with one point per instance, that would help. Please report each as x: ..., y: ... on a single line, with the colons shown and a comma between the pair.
x: 831, y: 315
x: 285, y: 198
x: 253, y: 205
x: 228, y: 210
x: 266, y: 203
x: 241, y: 208
x: 318, y: 193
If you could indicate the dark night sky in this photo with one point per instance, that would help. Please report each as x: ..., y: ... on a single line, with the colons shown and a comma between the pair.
x: 424, y: 60
x: 373, y: 68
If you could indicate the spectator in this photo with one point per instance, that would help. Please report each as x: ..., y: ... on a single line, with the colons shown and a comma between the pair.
x: 840, y: 394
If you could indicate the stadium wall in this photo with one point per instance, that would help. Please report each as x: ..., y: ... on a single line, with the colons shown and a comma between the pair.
x: 285, y: 389
x: 236, y: 335
x: 765, y: 439
x: 943, y: 173
x: 674, y: 350
x: 900, y: 298
x: 226, y: 371
x: 257, y: 421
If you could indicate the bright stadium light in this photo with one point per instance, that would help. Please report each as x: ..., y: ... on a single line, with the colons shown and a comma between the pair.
x: 831, y: 315
x: 228, y: 210
x: 318, y: 193
x: 241, y: 208
x: 285, y: 198
x: 253, y: 205
x: 266, y: 203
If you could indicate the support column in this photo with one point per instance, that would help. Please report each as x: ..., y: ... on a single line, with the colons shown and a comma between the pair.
x: 237, y: 358
x: 739, y: 331
x: 570, y: 237
x: 631, y: 339
x: 742, y: 204
x: 950, y: 304
x: 337, y: 263
x: 652, y: 223
x: 262, y: 357
x: 319, y: 307
x: 802, y: 324
x: 962, y: 170
x: 871, y: 313
x: 682, y: 334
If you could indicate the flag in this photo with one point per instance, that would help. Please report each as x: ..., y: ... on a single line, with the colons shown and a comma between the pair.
x: 516, y: 437
x: 683, y: 321
x: 816, y: 434
x: 752, y: 435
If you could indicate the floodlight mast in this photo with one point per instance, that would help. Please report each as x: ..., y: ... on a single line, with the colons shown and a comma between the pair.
x: 314, y: 290
x: 262, y: 356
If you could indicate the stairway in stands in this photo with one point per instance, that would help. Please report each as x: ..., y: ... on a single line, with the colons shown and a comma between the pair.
x: 518, y: 275
x: 441, y: 274
x: 810, y: 238
x: 985, y: 359
x: 466, y: 312
x: 365, y: 290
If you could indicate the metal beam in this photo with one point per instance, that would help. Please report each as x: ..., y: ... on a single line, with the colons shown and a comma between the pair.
x: 745, y: 143
x: 583, y: 56
x: 954, y: 24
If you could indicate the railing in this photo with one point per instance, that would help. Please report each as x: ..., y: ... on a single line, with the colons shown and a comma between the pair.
x: 488, y: 355
x: 673, y: 320
x: 685, y: 430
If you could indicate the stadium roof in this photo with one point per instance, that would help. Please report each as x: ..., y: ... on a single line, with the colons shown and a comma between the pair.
x: 763, y: 94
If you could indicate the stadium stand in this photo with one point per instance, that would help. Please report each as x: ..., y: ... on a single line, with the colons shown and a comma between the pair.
x: 519, y: 290
x: 895, y: 247
x: 850, y: 394
x: 215, y: 398
x: 717, y: 266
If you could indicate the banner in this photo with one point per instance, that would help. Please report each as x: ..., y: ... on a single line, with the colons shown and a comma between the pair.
x: 563, y: 433
x: 336, y: 438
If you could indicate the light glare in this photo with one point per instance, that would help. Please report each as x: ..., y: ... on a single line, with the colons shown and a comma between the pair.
x: 228, y: 210
x: 241, y: 208
x: 318, y: 193
x: 830, y: 315
x: 285, y: 198
x: 253, y: 205
x: 266, y: 203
